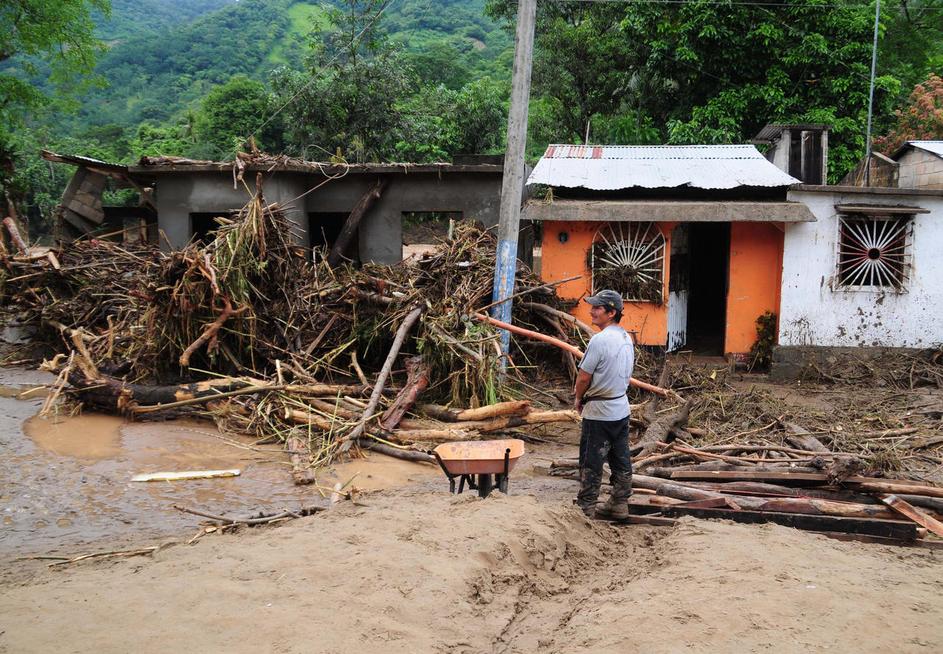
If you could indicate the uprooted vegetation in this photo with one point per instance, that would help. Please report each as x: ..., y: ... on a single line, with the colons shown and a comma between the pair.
x: 250, y: 331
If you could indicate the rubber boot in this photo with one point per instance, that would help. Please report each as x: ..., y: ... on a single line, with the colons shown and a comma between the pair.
x: 589, y: 491
x: 617, y: 506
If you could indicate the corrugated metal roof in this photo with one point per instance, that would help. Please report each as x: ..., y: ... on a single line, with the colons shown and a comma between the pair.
x: 936, y: 147
x: 612, y: 167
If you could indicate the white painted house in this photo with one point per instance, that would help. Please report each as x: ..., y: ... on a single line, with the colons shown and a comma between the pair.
x: 868, y: 272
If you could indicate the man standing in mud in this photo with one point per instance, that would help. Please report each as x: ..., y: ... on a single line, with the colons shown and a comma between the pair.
x: 600, y: 397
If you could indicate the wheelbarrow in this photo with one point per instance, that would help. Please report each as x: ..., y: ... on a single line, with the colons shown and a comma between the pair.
x: 483, y: 465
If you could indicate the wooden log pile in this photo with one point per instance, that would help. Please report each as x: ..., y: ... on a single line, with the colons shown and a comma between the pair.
x: 260, y: 336
x: 807, y: 487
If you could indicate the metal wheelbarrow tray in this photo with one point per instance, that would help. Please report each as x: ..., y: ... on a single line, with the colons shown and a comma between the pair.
x: 490, y: 461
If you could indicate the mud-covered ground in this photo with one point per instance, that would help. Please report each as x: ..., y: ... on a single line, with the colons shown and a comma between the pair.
x: 409, y: 568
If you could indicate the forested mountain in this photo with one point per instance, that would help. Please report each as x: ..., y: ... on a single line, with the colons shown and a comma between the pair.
x: 129, y: 18
x: 156, y: 73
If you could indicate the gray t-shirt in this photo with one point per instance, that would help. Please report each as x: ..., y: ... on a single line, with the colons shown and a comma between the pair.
x: 609, y: 358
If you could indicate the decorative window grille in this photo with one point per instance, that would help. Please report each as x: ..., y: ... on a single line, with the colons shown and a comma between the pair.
x: 629, y: 257
x: 874, y: 252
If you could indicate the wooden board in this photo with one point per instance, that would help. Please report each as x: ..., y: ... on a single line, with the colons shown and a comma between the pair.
x: 897, y: 530
x: 913, y: 513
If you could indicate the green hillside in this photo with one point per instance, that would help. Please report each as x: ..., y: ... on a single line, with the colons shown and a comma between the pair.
x: 129, y: 18
x: 160, y: 73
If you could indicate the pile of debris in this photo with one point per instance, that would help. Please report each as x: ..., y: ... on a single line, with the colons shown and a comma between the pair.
x: 251, y: 331
x: 832, y: 462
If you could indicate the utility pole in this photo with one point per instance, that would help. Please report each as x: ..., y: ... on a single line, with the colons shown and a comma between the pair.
x: 874, y: 62
x: 512, y: 184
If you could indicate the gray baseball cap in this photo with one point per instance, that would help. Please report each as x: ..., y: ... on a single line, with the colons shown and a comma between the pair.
x: 608, y: 299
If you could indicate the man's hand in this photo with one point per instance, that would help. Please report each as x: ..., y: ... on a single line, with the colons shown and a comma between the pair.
x: 583, y: 380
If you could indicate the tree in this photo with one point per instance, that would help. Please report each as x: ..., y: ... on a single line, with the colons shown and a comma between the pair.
x: 921, y: 119
x: 56, y: 34
x: 230, y: 113
x: 711, y: 72
x: 348, y: 98
x: 582, y: 60
x: 57, y: 37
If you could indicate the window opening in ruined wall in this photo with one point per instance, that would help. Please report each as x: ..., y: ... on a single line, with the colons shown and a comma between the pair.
x: 629, y: 258
x: 874, y: 252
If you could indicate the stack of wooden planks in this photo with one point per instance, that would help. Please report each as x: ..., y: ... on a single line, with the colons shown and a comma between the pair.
x: 859, y: 507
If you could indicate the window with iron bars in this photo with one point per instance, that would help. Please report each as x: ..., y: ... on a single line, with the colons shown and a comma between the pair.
x: 629, y: 258
x: 874, y: 252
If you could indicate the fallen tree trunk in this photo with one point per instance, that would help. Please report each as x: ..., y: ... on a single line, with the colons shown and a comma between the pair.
x: 404, y: 328
x: 578, y: 353
x: 445, y: 414
x: 416, y: 382
x: 562, y: 315
x: 406, y: 455
x: 410, y: 436
x: 353, y: 221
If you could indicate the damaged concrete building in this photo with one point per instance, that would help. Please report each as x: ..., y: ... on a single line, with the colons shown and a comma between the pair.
x: 182, y: 198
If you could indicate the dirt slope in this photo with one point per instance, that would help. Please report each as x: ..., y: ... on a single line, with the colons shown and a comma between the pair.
x: 417, y: 570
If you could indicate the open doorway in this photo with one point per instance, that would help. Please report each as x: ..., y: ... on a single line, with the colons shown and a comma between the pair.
x: 709, y: 258
x: 203, y: 225
x: 324, y: 227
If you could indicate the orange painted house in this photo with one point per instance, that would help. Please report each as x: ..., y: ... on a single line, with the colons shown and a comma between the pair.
x: 692, y: 236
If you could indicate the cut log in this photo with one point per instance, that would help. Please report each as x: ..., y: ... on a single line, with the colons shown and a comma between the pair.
x: 439, y: 412
x: 416, y: 382
x: 802, y: 439
x: 511, y: 422
x: 353, y: 221
x: 659, y: 430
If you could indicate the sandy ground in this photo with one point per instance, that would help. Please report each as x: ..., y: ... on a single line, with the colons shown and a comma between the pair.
x: 417, y: 570
x: 409, y: 568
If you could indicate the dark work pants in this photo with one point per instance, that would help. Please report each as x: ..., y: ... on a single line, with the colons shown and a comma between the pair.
x: 602, y: 441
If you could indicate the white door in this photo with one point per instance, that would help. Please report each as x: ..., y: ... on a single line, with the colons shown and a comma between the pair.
x: 678, y: 285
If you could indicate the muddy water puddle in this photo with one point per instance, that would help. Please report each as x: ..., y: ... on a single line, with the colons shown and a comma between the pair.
x: 65, y: 483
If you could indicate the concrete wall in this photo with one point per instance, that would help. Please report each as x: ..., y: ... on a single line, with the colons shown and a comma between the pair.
x: 567, y: 257
x: 179, y: 195
x: 920, y: 169
x: 814, y: 311
x: 476, y: 195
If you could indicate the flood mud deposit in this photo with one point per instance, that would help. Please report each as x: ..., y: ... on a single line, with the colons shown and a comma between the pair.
x: 66, y: 481
x: 415, y: 570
